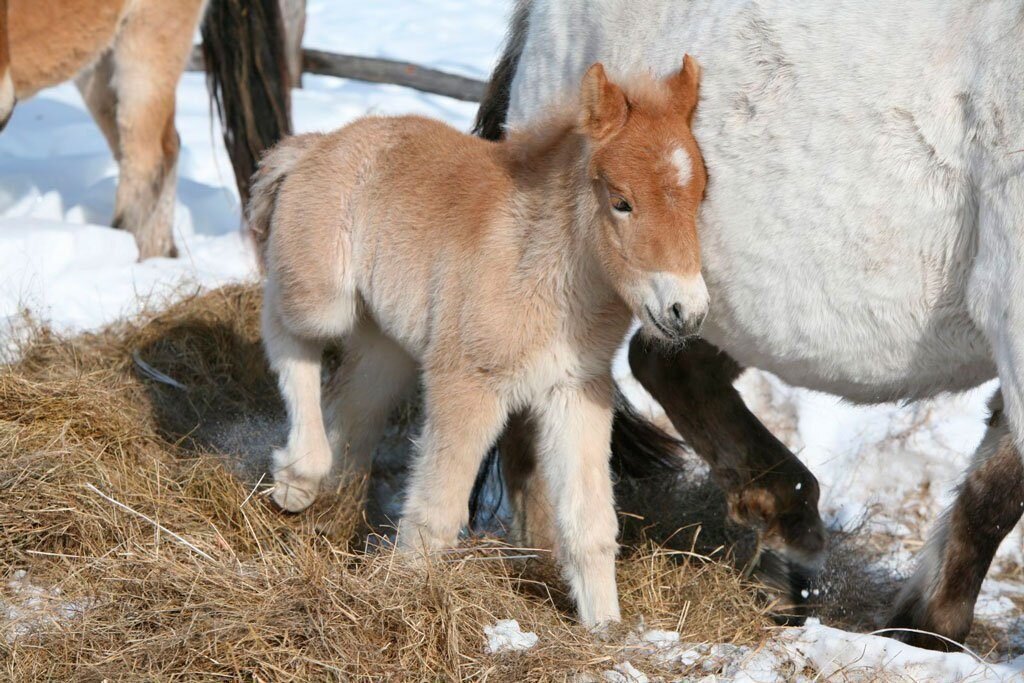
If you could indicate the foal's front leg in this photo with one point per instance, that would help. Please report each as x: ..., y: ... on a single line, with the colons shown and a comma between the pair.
x: 574, y: 426
x: 463, y: 418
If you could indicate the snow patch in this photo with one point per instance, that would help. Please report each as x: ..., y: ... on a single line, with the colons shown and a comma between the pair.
x: 625, y: 673
x: 506, y: 636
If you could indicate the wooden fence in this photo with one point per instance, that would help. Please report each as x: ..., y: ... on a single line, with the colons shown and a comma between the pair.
x: 376, y: 70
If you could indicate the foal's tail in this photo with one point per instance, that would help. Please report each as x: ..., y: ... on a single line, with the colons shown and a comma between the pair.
x: 271, y: 171
x: 247, y: 74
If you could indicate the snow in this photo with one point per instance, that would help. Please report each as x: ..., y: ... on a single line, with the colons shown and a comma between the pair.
x: 506, y: 636
x: 625, y: 673
x: 831, y: 651
x: 888, y: 469
x: 27, y: 606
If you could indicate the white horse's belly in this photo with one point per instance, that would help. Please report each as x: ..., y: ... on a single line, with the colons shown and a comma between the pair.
x: 837, y: 231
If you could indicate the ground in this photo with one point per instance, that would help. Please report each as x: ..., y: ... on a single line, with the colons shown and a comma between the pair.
x: 886, y: 471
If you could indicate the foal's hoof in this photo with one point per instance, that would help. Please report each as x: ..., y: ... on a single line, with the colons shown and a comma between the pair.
x: 294, y: 493
x: 293, y: 496
x: 298, y: 474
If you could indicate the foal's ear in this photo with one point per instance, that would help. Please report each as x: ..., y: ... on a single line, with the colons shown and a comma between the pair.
x: 685, y: 85
x: 604, y: 106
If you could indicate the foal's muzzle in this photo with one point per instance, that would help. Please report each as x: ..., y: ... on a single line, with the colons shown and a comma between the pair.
x: 675, y: 307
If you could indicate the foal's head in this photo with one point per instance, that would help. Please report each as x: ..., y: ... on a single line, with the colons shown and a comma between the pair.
x: 648, y: 177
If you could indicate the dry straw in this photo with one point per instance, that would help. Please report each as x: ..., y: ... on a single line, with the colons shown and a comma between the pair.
x: 171, y: 566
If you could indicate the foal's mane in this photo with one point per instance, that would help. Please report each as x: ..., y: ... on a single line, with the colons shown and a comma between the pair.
x: 527, y: 146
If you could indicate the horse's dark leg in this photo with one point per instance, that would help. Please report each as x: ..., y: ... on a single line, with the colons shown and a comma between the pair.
x: 940, y: 596
x: 766, y: 486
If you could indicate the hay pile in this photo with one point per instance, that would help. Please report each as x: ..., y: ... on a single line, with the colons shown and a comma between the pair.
x: 159, y: 557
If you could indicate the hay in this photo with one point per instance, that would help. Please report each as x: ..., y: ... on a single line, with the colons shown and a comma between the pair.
x: 141, y: 503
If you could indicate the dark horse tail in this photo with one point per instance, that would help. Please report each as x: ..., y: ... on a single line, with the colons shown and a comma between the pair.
x: 639, y: 448
x: 247, y: 74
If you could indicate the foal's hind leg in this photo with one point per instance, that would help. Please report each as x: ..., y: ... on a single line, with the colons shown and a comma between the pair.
x: 375, y: 374
x: 533, y: 521
x: 767, y: 487
x: 149, y: 58
x: 940, y: 596
x: 463, y: 419
x: 301, y: 466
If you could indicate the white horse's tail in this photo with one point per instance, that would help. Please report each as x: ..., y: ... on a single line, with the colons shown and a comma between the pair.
x: 490, y: 118
x: 271, y: 171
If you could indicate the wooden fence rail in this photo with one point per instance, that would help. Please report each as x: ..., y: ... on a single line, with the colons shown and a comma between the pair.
x: 376, y: 70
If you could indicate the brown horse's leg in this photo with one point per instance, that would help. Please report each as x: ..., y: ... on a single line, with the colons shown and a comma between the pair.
x: 767, y: 487
x: 149, y: 58
x: 940, y: 596
x: 97, y: 87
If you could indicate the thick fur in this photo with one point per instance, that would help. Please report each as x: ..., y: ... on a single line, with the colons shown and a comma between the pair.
x: 862, y: 229
x: 505, y: 274
x: 127, y: 57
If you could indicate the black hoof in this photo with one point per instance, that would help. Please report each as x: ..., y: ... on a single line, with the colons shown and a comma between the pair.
x: 910, y: 624
x: 789, y: 585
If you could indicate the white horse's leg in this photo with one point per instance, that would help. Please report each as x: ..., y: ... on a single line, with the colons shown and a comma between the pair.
x: 375, y: 374
x: 940, y: 596
x: 463, y: 419
x: 301, y: 466
x: 574, y: 448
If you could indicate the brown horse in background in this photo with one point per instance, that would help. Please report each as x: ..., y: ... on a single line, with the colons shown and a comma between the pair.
x: 126, y: 57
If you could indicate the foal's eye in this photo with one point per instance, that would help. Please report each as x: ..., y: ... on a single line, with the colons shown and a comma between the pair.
x: 620, y: 204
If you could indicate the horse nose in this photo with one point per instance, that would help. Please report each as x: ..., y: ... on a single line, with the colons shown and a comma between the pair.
x: 684, y: 324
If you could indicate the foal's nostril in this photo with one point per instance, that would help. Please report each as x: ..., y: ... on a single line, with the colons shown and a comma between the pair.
x: 676, y: 313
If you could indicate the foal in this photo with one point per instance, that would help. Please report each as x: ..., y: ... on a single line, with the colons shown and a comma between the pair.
x: 507, y: 273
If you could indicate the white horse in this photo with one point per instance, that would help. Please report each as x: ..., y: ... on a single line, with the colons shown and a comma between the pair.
x: 862, y: 234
